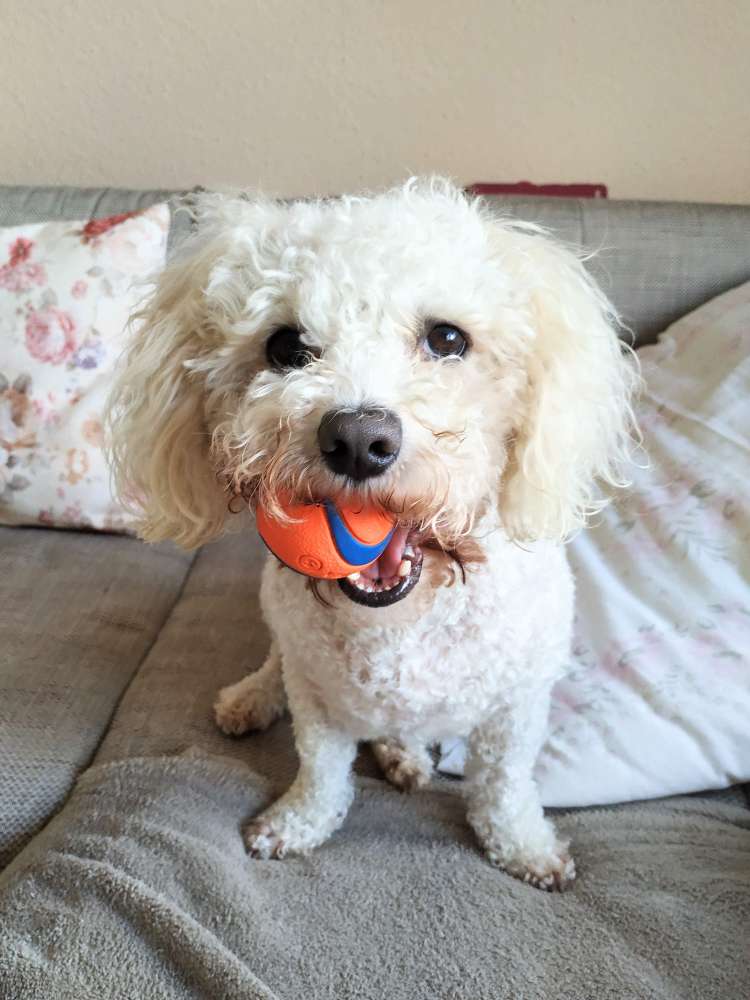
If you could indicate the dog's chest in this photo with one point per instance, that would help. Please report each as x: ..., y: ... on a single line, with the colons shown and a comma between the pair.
x: 429, y: 679
x: 434, y: 669
x: 427, y: 682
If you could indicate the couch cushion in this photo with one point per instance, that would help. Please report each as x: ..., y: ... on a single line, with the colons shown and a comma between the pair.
x: 141, y: 888
x: 214, y: 636
x: 78, y: 613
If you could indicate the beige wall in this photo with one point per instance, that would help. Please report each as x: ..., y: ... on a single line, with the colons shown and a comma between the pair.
x: 650, y: 96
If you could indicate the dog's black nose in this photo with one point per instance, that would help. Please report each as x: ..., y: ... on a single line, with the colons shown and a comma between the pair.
x: 359, y: 443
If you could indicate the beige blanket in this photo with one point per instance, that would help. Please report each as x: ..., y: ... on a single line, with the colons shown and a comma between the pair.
x: 141, y: 889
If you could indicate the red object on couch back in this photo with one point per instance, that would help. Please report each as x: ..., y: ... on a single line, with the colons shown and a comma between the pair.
x: 544, y: 190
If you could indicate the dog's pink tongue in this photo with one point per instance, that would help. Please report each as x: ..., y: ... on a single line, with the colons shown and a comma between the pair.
x: 387, y: 565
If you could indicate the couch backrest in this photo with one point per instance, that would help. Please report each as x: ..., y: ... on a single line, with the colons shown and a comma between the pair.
x: 655, y: 260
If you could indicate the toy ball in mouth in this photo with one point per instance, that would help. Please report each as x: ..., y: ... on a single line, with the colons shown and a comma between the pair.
x: 326, y: 540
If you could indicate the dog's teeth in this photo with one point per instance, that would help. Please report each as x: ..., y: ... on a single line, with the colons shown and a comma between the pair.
x: 409, y: 552
x: 404, y: 568
x: 353, y: 577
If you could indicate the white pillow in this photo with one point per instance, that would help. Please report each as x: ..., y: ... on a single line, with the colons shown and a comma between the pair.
x: 66, y: 292
x: 658, y: 698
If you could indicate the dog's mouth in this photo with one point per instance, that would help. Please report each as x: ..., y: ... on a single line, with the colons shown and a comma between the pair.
x: 391, y: 577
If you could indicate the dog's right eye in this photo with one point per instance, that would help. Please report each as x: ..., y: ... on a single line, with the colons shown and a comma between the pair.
x: 285, y: 349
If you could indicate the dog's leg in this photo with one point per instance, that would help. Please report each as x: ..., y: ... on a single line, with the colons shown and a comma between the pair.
x: 504, y: 805
x: 320, y: 796
x: 406, y: 765
x: 255, y: 701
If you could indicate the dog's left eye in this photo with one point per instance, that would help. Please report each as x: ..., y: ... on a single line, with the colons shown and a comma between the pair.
x: 446, y: 341
x: 285, y: 349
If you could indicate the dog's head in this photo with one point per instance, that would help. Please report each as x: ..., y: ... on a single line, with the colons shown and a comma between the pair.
x: 407, y: 348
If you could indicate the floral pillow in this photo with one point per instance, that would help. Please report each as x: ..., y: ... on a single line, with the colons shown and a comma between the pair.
x: 658, y: 698
x: 66, y: 292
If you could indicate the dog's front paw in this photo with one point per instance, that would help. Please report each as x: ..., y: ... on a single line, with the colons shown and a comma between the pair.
x: 525, y: 845
x: 285, y: 829
x: 245, y: 706
x: 263, y: 840
x: 552, y: 871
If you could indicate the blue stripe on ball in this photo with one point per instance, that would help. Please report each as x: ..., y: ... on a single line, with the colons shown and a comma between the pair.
x: 350, y: 548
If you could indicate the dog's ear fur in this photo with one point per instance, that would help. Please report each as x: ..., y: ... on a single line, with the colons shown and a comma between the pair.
x: 577, y: 420
x: 159, y: 445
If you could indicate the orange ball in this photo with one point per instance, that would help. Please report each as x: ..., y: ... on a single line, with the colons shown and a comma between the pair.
x: 325, y: 540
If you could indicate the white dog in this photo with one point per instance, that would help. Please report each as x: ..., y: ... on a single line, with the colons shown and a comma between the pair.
x: 460, y: 371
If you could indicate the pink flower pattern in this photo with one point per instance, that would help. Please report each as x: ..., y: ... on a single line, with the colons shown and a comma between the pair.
x: 20, y: 274
x: 50, y: 335
x: 96, y: 228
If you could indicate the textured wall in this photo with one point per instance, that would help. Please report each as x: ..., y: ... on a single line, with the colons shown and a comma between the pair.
x: 649, y: 96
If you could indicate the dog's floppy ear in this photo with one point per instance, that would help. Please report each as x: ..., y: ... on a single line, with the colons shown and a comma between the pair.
x: 158, y: 440
x: 576, y: 422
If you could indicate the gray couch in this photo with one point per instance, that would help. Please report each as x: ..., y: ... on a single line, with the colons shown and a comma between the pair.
x: 120, y: 803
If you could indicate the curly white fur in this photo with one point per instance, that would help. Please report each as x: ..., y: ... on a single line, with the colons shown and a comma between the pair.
x: 504, y: 445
